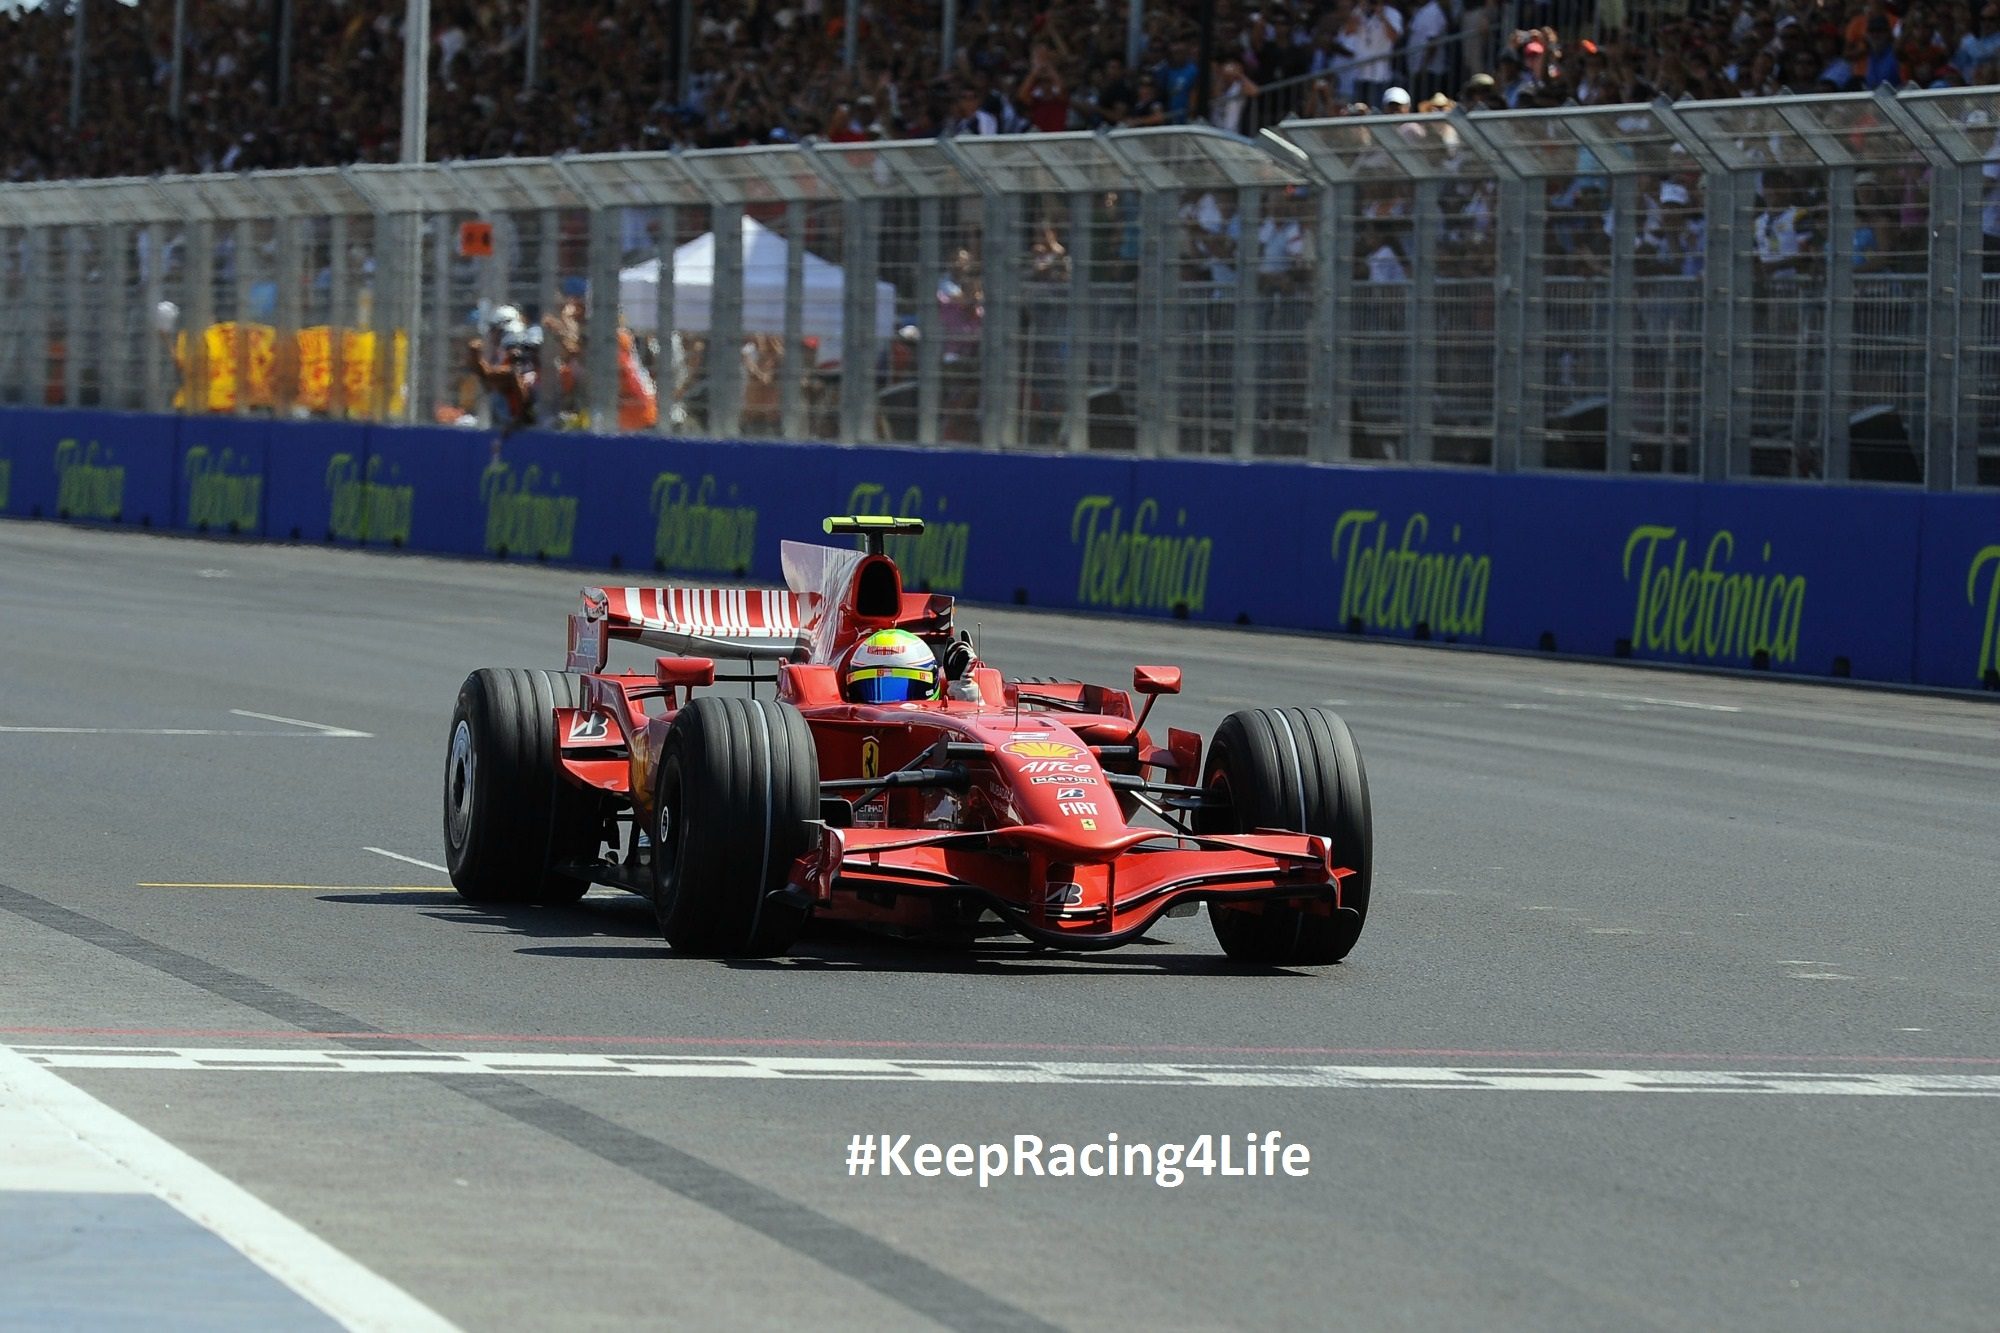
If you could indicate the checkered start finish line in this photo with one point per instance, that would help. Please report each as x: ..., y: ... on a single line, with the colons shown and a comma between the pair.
x: 1445, y: 1079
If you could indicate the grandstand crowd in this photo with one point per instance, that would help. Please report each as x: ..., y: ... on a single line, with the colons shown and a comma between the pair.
x: 773, y: 71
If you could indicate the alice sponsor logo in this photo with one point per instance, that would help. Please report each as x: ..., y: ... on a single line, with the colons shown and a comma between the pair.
x: 934, y: 559
x: 1140, y: 568
x: 1989, y: 636
x: 85, y: 487
x: 521, y: 522
x: 1408, y: 584
x: 1710, y: 611
x: 218, y: 496
x: 693, y: 532
x: 364, y: 507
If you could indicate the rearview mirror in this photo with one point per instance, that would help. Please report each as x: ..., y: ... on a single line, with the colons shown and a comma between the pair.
x: 1156, y: 680
x: 686, y: 672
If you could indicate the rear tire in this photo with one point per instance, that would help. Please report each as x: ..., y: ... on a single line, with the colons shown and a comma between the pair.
x: 734, y: 805
x: 1295, y: 769
x: 509, y: 814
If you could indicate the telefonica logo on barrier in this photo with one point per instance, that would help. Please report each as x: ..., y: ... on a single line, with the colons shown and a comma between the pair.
x: 520, y: 522
x: 1989, y: 637
x: 365, y: 508
x: 218, y: 496
x: 1140, y: 568
x: 933, y: 560
x: 1711, y: 611
x: 86, y: 488
x: 693, y: 532
x: 1406, y: 585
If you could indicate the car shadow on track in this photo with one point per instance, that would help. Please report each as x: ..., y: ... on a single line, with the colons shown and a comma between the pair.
x: 826, y: 947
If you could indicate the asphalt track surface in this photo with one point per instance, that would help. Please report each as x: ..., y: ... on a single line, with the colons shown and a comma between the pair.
x: 1581, y: 869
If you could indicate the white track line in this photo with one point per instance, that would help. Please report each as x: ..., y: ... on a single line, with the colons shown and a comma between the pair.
x: 313, y: 730
x: 407, y: 860
x: 121, y: 1151
x: 320, y: 727
x: 802, y: 1068
x: 1652, y: 700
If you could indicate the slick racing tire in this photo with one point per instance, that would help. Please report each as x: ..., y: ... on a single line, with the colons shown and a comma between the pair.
x: 509, y: 816
x: 1295, y: 769
x: 734, y: 805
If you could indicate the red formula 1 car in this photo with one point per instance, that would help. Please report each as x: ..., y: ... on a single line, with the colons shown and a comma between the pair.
x: 1039, y: 808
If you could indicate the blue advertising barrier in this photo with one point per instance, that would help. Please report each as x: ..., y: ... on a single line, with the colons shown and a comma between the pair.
x: 1958, y: 592
x: 95, y: 467
x: 1874, y: 583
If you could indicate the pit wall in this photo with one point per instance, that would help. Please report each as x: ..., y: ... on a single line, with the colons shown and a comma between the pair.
x: 1874, y: 583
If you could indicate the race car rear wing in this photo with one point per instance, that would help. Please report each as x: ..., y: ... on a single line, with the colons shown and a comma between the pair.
x: 829, y: 593
x: 746, y: 624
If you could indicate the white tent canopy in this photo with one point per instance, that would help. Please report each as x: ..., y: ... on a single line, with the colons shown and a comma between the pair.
x: 765, y: 254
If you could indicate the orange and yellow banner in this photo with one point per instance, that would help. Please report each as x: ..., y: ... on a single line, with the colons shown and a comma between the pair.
x: 307, y: 372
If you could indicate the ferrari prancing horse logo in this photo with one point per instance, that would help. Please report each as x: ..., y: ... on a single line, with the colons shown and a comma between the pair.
x: 871, y: 758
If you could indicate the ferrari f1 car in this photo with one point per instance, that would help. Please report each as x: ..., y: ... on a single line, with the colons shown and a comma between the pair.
x: 990, y: 805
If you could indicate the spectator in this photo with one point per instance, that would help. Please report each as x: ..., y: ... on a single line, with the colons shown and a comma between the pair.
x: 1043, y: 94
x: 1982, y: 43
x: 1372, y: 31
x: 1177, y: 79
x: 1428, y: 57
x: 1880, y: 64
x: 1230, y: 91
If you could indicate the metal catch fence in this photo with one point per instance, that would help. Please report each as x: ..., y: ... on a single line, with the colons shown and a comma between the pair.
x: 1798, y: 288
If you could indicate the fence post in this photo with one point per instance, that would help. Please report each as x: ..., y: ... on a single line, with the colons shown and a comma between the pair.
x: 1155, y: 352
x: 548, y: 284
x: 666, y: 368
x: 285, y: 317
x: 1082, y: 341
x: 600, y: 340
x: 437, y: 361
x: 1837, y: 399
x: 930, y: 332
x: 1620, y: 383
x: 792, y: 363
x: 725, y: 324
x: 999, y: 333
x: 73, y: 316
x: 859, y: 349
x: 339, y: 301
x: 1246, y: 362
x: 154, y: 344
x: 198, y: 313
x: 1423, y: 320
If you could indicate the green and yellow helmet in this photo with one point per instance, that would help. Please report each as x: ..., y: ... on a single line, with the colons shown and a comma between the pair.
x: 890, y: 666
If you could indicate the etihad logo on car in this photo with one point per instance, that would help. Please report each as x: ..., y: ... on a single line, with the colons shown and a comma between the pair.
x: 1042, y: 750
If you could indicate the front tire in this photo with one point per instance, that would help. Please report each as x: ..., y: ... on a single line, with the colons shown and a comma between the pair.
x: 509, y: 816
x: 1295, y: 769
x: 734, y: 805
